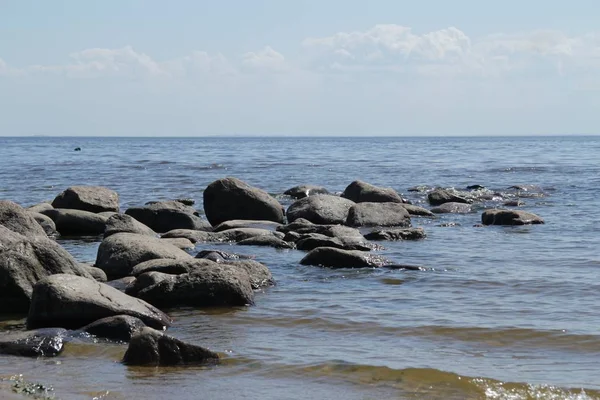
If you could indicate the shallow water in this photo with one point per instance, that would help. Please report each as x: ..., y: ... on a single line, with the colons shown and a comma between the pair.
x: 498, y: 312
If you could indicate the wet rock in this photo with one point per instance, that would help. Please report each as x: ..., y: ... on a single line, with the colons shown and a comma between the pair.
x: 514, y: 203
x: 378, y: 214
x: 17, y: 219
x: 164, y: 216
x: 452, y: 207
x: 70, y: 301
x: 509, y: 217
x: 221, y: 256
x: 94, y: 199
x: 230, y: 198
x: 527, y: 188
x: 107, y: 214
x: 24, y: 261
x: 292, y: 237
x: 169, y: 266
x: 302, y: 191
x: 449, y: 224
x: 186, y: 202
x: 397, y: 234
x: 295, y: 226
x: 337, y: 258
x: 77, y: 222
x: 38, y: 208
x: 441, y: 196
x: 260, y: 275
x: 96, y: 273
x: 239, y: 234
x: 268, y: 241
x: 417, y: 211
x: 320, y: 209
x: 361, y: 192
x: 241, y: 223
x: 339, y: 236
x: 181, y: 243
x: 47, y: 342
x: 311, y: 241
x: 120, y: 327
x: 150, y: 347
x: 192, y: 235
x: 46, y: 223
x: 123, y: 223
x: 475, y: 187
x: 119, y: 253
x: 122, y: 283
x: 419, y: 188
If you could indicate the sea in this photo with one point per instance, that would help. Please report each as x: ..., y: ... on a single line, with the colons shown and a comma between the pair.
x: 495, y: 312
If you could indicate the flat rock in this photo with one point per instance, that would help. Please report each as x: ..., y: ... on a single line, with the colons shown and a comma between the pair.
x: 396, y: 234
x: 47, y: 342
x: 242, y: 223
x: 337, y: 258
x: 302, y: 191
x: 320, y: 209
x: 239, y: 234
x: 192, y: 235
x: 417, y: 211
x: 360, y: 192
x: 509, y: 217
x: 77, y: 222
x: 94, y: 199
x: 378, y: 214
x: 120, y: 327
x: 164, y: 216
x: 266, y: 241
x: 452, y: 207
x: 17, y: 219
x: 123, y: 223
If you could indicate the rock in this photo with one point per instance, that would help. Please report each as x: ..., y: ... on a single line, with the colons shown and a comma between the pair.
x: 230, y: 198
x: 192, y: 235
x: 360, y: 192
x: 150, y: 347
x: 338, y: 236
x: 509, y: 217
x: 186, y: 202
x: 70, y: 301
x: 96, y: 273
x: 119, y: 327
x: 302, y: 191
x: 94, y: 199
x: 419, y: 188
x: 239, y: 234
x: 46, y: 223
x: 514, y: 203
x: 337, y: 258
x: 181, y: 243
x: 527, y: 188
x: 292, y: 237
x: 38, y: 208
x: 260, y: 275
x: 268, y: 241
x: 208, y: 285
x: 441, y: 196
x: 164, y: 216
x: 119, y: 223
x: 169, y: 266
x: 108, y: 214
x: 24, y: 261
x: 417, y: 211
x: 119, y: 253
x: 121, y: 283
x: 320, y: 209
x: 47, y: 342
x: 452, y: 207
x: 221, y: 256
x: 299, y: 223
x: 17, y: 219
x: 378, y: 214
x: 77, y: 222
x: 396, y: 234
x: 311, y: 241
x: 77, y: 149
x: 241, y: 223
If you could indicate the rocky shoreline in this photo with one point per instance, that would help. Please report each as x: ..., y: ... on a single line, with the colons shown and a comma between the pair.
x: 147, y: 262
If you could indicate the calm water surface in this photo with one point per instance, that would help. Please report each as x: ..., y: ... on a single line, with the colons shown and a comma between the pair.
x: 499, y: 313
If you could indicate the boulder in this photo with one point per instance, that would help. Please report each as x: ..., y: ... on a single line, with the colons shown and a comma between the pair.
x: 46, y: 223
x: 77, y: 222
x: 121, y: 283
x: 120, y: 327
x: 17, y: 219
x: 221, y: 256
x: 94, y: 199
x: 38, y: 208
x: 181, y: 243
x: 239, y: 234
x: 192, y: 235
x: 311, y: 241
x: 302, y: 191
x: 337, y: 258
x: 452, y: 207
x: 509, y: 217
x: 242, y: 223
x: 47, y: 342
x: 230, y: 198
x: 320, y: 209
x: 150, y: 347
x: 96, y: 273
x: 24, y: 261
x: 108, y: 214
x: 441, y: 196
x: 169, y: 266
x: 267, y: 241
x: 164, y: 216
x: 119, y: 223
x: 360, y: 192
x: 310, y: 236
x: 260, y: 275
x: 378, y: 214
x: 396, y: 234
x: 119, y: 253
x: 298, y: 223
x: 70, y: 301
x: 417, y: 211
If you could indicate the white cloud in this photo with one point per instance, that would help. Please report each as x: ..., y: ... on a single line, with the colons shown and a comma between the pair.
x: 267, y: 59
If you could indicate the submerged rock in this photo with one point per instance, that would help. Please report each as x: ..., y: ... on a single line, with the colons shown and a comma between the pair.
x: 337, y: 258
x: 94, y: 199
x: 320, y: 209
x: 509, y: 217
x: 47, y: 342
x: 302, y: 191
x: 360, y: 192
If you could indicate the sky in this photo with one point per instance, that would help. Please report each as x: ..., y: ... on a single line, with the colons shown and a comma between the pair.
x: 304, y: 67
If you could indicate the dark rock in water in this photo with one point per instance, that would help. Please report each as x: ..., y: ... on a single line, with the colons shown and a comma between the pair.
x: 77, y: 149
x: 397, y: 234
x: 292, y: 237
x: 239, y: 234
x: 94, y: 199
x: 164, y: 216
x: 339, y: 236
x: 121, y: 283
x: 180, y: 243
x: 17, y: 219
x: 119, y: 327
x: 186, y: 202
x: 268, y: 241
x: 509, y: 217
x: 230, y: 198
x: 404, y: 267
x: 119, y: 223
x: 302, y: 191
x: 360, y: 192
x: 420, y: 188
x: 475, y: 187
x: 96, y: 273
x: 378, y: 214
x: 337, y: 258
x: 452, y: 207
x: 242, y: 223
x: 38, y: 208
x: 169, y: 266
x: 47, y: 342
x: 70, y: 301
x: 449, y: 224
x: 527, y: 188
x: 514, y: 203
x: 192, y: 235
x: 298, y: 223
x: 77, y: 222
x: 150, y: 347
x: 260, y: 275
x: 24, y: 261
x: 417, y: 211
x: 311, y: 241
x: 119, y: 253
x: 441, y: 196
x: 221, y: 256
x: 320, y: 209
x: 46, y: 223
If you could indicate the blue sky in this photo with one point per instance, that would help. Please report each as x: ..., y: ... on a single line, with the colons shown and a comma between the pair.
x: 266, y: 67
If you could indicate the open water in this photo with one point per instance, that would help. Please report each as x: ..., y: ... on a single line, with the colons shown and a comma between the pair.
x: 499, y: 312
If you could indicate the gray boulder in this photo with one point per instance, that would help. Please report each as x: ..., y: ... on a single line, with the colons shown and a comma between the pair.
x: 509, y: 217
x: 77, y: 222
x: 119, y: 253
x: 120, y: 327
x: 396, y: 234
x: 180, y: 243
x: 242, y: 223
x: 192, y: 235
x: 221, y: 256
x: 337, y: 258
x: 320, y: 209
x: 230, y: 198
x: 378, y: 214
x: 119, y: 223
x: 17, y: 219
x: 96, y: 273
x: 150, y: 347
x: 94, y: 199
x: 452, y: 207
x: 46, y: 223
x: 164, y: 216
x: 38, y: 208
x: 70, y: 301
x: 417, y: 211
x: 47, y: 342
x: 302, y: 191
x: 239, y: 234
x: 266, y: 241
x: 441, y: 196
x: 122, y: 283
x: 311, y: 241
x: 359, y: 192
